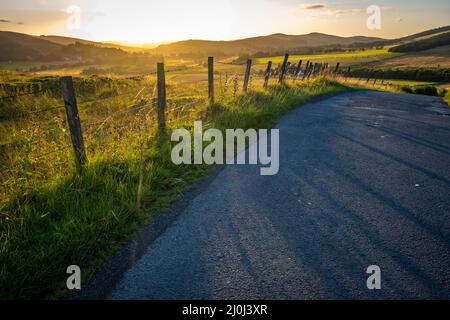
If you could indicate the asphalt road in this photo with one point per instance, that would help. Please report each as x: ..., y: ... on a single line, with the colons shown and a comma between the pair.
x: 364, y: 180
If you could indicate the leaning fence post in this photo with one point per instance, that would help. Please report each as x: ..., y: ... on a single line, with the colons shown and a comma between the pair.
x: 267, y: 74
x: 283, y: 68
x: 297, y: 71
x: 161, y: 80
x: 306, y: 70
x: 73, y: 119
x: 337, y: 67
x: 247, y: 75
x: 211, y: 80
x: 313, y: 70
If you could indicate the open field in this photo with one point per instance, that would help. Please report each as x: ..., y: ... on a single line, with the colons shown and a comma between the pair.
x: 433, y: 58
x: 345, y: 58
x: 407, y: 82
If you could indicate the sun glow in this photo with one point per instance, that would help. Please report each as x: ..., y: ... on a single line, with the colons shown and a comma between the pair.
x: 150, y: 21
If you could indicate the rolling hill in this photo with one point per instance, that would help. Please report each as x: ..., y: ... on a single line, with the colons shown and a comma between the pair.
x: 424, y: 34
x: 18, y: 47
x: 68, y: 41
x: 22, y: 47
x: 442, y: 39
x: 276, y: 41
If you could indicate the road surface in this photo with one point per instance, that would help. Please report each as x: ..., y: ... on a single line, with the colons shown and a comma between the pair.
x: 364, y: 180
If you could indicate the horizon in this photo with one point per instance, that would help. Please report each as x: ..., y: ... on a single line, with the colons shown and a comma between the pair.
x: 124, y: 43
x: 141, y: 22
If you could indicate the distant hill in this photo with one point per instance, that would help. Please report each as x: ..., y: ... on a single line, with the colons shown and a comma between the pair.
x: 276, y: 41
x: 422, y: 34
x: 442, y: 39
x: 18, y: 47
x: 22, y: 47
x: 68, y: 40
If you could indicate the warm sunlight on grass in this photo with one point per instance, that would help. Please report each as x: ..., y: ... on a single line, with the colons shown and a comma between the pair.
x: 343, y: 57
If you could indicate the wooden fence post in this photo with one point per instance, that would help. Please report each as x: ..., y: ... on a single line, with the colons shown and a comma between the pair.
x: 267, y: 74
x: 73, y: 120
x: 321, y: 68
x: 247, y: 75
x: 306, y: 70
x: 283, y: 68
x: 337, y: 67
x: 161, y: 80
x: 314, y: 69
x: 297, y: 70
x: 211, y: 80
x: 309, y: 70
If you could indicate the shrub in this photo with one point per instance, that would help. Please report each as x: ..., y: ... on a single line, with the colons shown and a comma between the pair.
x: 426, y: 90
x: 407, y: 89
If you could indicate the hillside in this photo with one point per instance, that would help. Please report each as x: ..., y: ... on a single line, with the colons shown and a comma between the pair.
x: 424, y: 34
x: 438, y: 57
x: 17, y: 47
x: 439, y: 40
x: 22, y: 47
x: 276, y: 41
x: 68, y: 41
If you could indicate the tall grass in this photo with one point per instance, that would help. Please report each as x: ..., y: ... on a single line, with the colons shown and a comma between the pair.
x: 52, y: 217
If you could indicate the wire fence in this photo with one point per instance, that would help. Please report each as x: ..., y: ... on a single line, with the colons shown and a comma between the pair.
x: 117, y: 120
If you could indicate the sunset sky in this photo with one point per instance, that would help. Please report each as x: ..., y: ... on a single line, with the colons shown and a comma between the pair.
x: 149, y: 21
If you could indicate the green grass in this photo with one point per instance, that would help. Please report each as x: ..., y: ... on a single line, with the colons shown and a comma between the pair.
x: 410, y: 83
x: 52, y: 217
x: 447, y: 97
x: 378, y: 54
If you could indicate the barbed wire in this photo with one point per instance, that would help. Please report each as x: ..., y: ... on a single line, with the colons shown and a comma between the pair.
x: 101, y: 99
x: 43, y: 110
x: 185, y: 105
x: 23, y: 94
x: 180, y: 118
x: 111, y: 116
x: 41, y: 156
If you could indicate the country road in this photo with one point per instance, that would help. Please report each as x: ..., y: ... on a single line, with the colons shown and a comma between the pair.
x: 364, y: 180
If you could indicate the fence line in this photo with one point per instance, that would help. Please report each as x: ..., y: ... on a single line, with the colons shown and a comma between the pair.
x: 159, y: 104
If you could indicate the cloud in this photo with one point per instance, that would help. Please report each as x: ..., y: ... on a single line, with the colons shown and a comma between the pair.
x: 348, y: 11
x: 315, y: 6
x: 9, y: 21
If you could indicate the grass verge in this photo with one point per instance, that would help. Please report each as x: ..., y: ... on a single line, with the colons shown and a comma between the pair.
x: 82, y: 219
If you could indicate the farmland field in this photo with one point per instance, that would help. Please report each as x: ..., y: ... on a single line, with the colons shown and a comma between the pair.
x: 345, y: 58
x: 432, y: 58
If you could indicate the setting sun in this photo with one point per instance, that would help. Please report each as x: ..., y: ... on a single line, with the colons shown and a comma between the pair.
x: 163, y: 21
